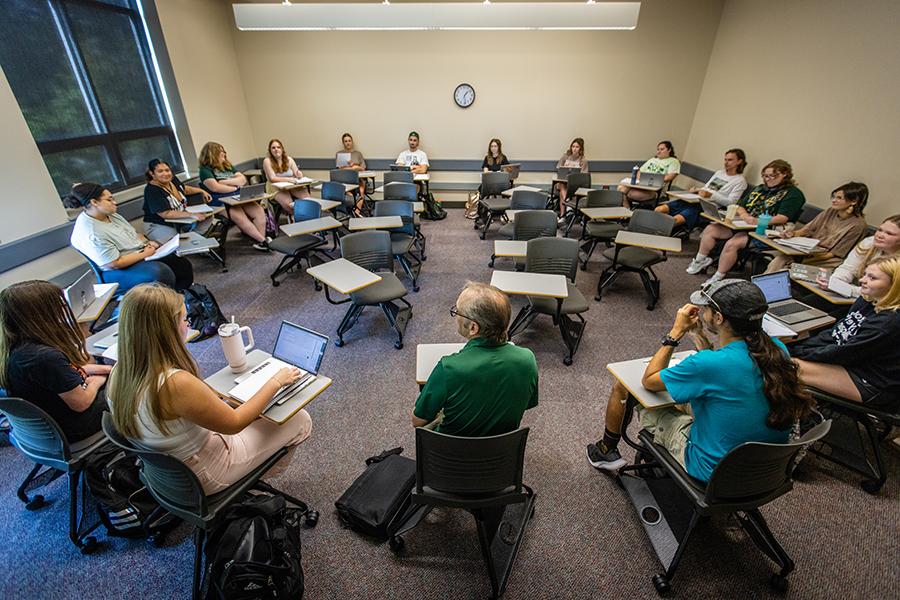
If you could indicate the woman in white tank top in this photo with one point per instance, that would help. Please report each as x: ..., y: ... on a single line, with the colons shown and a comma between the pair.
x: 279, y: 167
x: 160, y: 403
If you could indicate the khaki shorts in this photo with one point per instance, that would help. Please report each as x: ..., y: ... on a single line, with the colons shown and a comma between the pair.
x: 670, y: 428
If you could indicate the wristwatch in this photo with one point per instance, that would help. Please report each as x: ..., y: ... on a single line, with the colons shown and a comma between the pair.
x: 668, y: 340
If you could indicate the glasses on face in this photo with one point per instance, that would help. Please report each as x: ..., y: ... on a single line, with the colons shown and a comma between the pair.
x: 771, y: 175
x: 456, y: 313
x: 712, y: 302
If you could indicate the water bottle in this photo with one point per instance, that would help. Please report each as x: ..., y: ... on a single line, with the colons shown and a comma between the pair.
x: 763, y: 223
x: 634, y: 174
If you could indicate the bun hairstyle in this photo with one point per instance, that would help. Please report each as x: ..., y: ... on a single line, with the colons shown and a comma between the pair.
x: 670, y: 147
x: 854, y: 192
x: 81, y: 194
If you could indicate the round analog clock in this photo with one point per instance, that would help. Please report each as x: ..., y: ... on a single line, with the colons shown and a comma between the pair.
x: 464, y: 95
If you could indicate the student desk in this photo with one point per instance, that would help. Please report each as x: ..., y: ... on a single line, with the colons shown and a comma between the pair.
x: 646, y: 240
x: 511, y: 248
x: 511, y: 213
x: 583, y: 192
x: 604, y: 213
x: 191, y: 220
x: 237, y: 201
x: 776, y: 246
x: 519, y: 188
x: 640, y: 264
x: 310, y: 226
x: 689, y: 197
x: 802, y: 329
x: 364, y: 223
x: 428, y: 356
x: 827, y: 295
x: 736, y: 225
x: 630, y: 373
x: 252, y: 173
x: 327, y: 205
x: 109, y: 350
x: 223, y: 380
x: 286, y: 186
x: 194, y: 243
x: 103, y: 293
x: 343, y: 276
x: 637, y: 186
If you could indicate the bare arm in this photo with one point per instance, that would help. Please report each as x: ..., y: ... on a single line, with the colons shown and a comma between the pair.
x: 127, y: 260
x: 81, y: 398
x: 686, y: 320
x: 417, y: 422
x: 270, y: 173
x: 220, y: 187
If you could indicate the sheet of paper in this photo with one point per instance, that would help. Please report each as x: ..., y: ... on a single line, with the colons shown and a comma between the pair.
x: 687, y: 195
x: 283, y: 184
x: 776, y: 328
x: 303, y: 180
x: 200, y: 209
x: 165, y: 250
x: 112, y: 353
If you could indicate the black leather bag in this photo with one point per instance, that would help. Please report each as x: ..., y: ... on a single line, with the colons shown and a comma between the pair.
x: 377, y: 496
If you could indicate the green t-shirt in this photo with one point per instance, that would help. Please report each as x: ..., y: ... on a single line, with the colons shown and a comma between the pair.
x: 786, y: 201
x: 217, y: 174
x: 483, y: 389
x: 662, y: 165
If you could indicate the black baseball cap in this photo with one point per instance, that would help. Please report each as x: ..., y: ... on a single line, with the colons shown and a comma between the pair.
x: 734, y: 298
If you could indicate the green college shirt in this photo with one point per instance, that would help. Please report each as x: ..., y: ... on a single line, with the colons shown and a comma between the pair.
x: 483, y: 389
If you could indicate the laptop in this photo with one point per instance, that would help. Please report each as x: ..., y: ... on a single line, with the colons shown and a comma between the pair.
x: 399, y: 168
x: 194, y: 199
x: 655, y: 180
x: 295, y: 346
x: 564, y: 172
x: 711, y: 209
x: 776, y: 287
x: 252, y: 192
x: 513, y: 169
x: 80, y: 295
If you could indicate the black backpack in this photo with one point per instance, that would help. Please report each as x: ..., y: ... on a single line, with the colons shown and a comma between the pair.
x: 203, y: 312
x: 255, y: 552
x: 124, y: 504
x: 433, y: 209
x: 376, y: 497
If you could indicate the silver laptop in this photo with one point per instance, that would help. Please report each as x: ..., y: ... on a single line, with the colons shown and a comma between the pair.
x: 564, y: 172
x: 711, y: 209
x: 252, y: 192
x: 776, y: 287
x: 655, y: 180
x: 295, y: 346
x: 80, y: 295
x: 513, y: 169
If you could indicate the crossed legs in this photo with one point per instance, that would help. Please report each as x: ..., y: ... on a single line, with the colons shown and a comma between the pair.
x: 250, y: 219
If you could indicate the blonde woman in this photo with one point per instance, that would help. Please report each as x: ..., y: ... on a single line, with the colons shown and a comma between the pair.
x: 219, y: 177
x: 884, y: 244
x: 160, y: 403
x: 279, y: 167
x: 859, y: 358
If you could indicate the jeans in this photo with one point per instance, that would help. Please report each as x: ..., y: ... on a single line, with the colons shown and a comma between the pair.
x: 173, y: 271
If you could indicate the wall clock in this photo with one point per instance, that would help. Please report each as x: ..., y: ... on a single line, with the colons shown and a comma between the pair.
x: 464, y: 95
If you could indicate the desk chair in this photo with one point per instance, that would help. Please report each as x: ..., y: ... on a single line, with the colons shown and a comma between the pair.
x: 372, y: 250
x: 846, y: 445
x: 491, y: 204
x: 408, y: 192
x: 41, y: 440
x: 749, y: 476
x: 335, y: 191
x: 557, y: 256
x: 483, y: 476
x: 523, y: 200
x: 176, y: 488
x: 398, y: 177
x: 571, y: 201
x: 298, y: 248
x: 595, y: 232
x: 633, y: 259
x: 653, y: 202
x: 348, y: 177
x: 528, y: 225
x: 100, y: 276
x: 402, y: 239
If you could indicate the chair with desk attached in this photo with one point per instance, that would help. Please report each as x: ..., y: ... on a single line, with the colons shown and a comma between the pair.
x: 574, y: 181
x: 596, y: 232
x: 639, y: 256
x: 523, y: 200
x: 483, y: 476
x: 298, y: 248
x: 670, y: 503
x: 528, y: 225
x: 336, y: 192
x: 36, y: 435
x: 559, y: 256
x: 398, y: 177
x: 492, y: 204
x: 176, y: 488
x: 404, y: 238
x: 408, y: 192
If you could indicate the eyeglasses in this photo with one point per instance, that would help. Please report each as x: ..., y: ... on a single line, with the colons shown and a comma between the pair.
x: 771, y: 176
x: 712, y: 302
x: 456, y: 313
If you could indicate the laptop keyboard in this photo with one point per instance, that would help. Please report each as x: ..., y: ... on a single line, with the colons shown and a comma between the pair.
x: 286, y: 392
x: 787, y: 309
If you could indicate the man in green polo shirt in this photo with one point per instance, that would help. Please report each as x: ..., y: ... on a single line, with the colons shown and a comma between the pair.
x: 484, y: 388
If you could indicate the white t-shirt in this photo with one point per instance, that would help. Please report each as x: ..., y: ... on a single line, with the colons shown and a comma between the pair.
x: 104, y: 241
x: 726, y: 189
x: 411, y: 159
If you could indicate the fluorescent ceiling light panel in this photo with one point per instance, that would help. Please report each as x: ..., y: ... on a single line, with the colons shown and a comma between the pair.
x: 432, y: 15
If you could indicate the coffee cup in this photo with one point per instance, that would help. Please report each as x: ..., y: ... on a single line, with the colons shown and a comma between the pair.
x: 230, y: 334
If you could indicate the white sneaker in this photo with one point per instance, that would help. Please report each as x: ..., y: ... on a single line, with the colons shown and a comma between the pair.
x: 716, y: 277
x: 698, y: 265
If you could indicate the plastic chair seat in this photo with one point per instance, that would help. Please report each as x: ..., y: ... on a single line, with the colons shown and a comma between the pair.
x: 292, y: 245
x: 602, y: 229
x: 401, y: 243
x: 389, y: 288
x: 507, y: 230
x: 495, y: 203
x: 633, y: 257
x: 694, y: 488
x: 576, y: 303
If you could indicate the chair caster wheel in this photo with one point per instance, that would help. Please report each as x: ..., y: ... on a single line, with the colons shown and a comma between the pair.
x: 89, y: 545
x: 871, y: 486
x: 567, y: 361
x: 778, y: 583
x: 318, y: 287
x: 312, y: 518
x: 224, y: 270
x: 158, y: 539
x: 275, y: 283
x: 338, y: 342
x: 396, y: 543
x: 398, y: 345
x: 415, y: 288
x: 662, y: 585
x: 424, y: 259
x: 597, y: 298
x: 36, y: 503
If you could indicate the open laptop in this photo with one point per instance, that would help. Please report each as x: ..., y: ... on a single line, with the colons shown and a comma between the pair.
x: 399, y: 168
x: 654, y: 180
x: 513, y: 169
x: 776, y: 287
x: 252, y: 192
x: 711, y: 209
x: 564, y: 172
x: 80, y: 295
x: 295, y: 346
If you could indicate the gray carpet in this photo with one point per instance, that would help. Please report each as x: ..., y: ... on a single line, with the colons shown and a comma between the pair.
x: 584, y: 542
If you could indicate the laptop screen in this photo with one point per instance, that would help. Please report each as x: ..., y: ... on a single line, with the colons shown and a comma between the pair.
x: 775, y: 286
x: 300, y: 346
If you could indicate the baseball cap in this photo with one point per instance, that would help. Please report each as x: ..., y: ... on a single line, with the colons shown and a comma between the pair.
x: 734, y: 298
x: 414, y: 134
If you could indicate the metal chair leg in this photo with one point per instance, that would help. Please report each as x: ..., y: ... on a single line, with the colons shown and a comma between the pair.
x: 196, y: 587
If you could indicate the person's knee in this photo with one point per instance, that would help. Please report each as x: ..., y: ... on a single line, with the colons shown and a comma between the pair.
x: 301, y: 425
x: 662, y: 208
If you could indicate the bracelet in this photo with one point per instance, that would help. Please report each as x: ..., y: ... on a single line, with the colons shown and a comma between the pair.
x: 668, y: 340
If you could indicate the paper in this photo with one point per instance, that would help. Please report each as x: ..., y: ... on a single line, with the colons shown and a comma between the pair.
x: 200, y: 209
x: 107, y: 341
x: 165, y: 250
x: 112, y: 353
x: 840, y: 287
x: 775, y: 328
x: 741, y: 223
x: 281, y: 185
x: 342, y: 159
x: 302, y: 180
x: 686, y: 195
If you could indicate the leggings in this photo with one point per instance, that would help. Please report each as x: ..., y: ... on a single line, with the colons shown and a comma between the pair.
x: 172, y: 270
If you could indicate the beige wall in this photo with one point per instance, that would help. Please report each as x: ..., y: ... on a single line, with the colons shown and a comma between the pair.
x: 816, y: 82
x: 535, y: 90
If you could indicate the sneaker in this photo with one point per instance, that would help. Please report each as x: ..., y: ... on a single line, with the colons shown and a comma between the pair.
x: 262, y: 246
x: 610, y: 461
x: 716, y: 277
x: 698, y: 265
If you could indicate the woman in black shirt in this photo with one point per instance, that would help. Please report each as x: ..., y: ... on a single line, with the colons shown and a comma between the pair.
x: 494, y: 159
x: 43, y: 358
x: 165, y: 197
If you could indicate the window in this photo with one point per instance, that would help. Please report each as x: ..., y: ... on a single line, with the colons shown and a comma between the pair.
x: 82, y: 73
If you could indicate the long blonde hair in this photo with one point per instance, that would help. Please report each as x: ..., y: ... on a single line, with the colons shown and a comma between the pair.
x: 872, y: 254
x: 209, y: 157
x: 891, y: 268
x: 149, y: 345
x: 37, y: 312
x: 285, y: 162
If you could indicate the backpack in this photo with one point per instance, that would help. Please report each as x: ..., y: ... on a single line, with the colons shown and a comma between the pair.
x: 203, y: 312
x: 383, y: 491
x: 124, y: 504
x: 271, y: 224
x: 472, y: 205
x: 255, y: 552
x: 433, y: 210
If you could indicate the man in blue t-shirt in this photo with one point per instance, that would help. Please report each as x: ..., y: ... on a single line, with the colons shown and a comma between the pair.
x: 724, y: 386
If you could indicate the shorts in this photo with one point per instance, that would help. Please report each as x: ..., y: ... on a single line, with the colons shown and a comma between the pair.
x: 867, y: 392
x: 689, y: 212
x: 670, y: 427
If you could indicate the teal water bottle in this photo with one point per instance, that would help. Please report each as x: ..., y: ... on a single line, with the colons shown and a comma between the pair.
x: 763, y: 223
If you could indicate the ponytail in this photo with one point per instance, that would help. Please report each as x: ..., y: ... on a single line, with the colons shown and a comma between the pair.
x: 788, y: 399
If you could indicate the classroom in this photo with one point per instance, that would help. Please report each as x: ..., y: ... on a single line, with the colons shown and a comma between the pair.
x: 632, y: 272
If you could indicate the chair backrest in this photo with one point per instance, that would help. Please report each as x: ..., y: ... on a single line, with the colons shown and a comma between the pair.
x: 401, y: 191
x: 469, y: 466
x: 400, y: 208
x: 555, y: 255
x: 401, y: 176
x: 305, y: 210
x: 345, y: 176
x: 369, y: 249
x: 98, y: 272
x: 603, y: 199
x: 34, y: 432
x: 333, y: 190
x: 757, y: 471
x: 170, y: 481
x: 577, y: 180
x: 652, y: 222
x: 492, y: 183
x: 528, y: 200
x: 530, y: 224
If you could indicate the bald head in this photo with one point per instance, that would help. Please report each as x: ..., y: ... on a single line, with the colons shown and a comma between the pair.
x: 488, y: 307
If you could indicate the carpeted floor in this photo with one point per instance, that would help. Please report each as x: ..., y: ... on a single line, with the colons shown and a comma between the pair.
x: 585, y: 540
